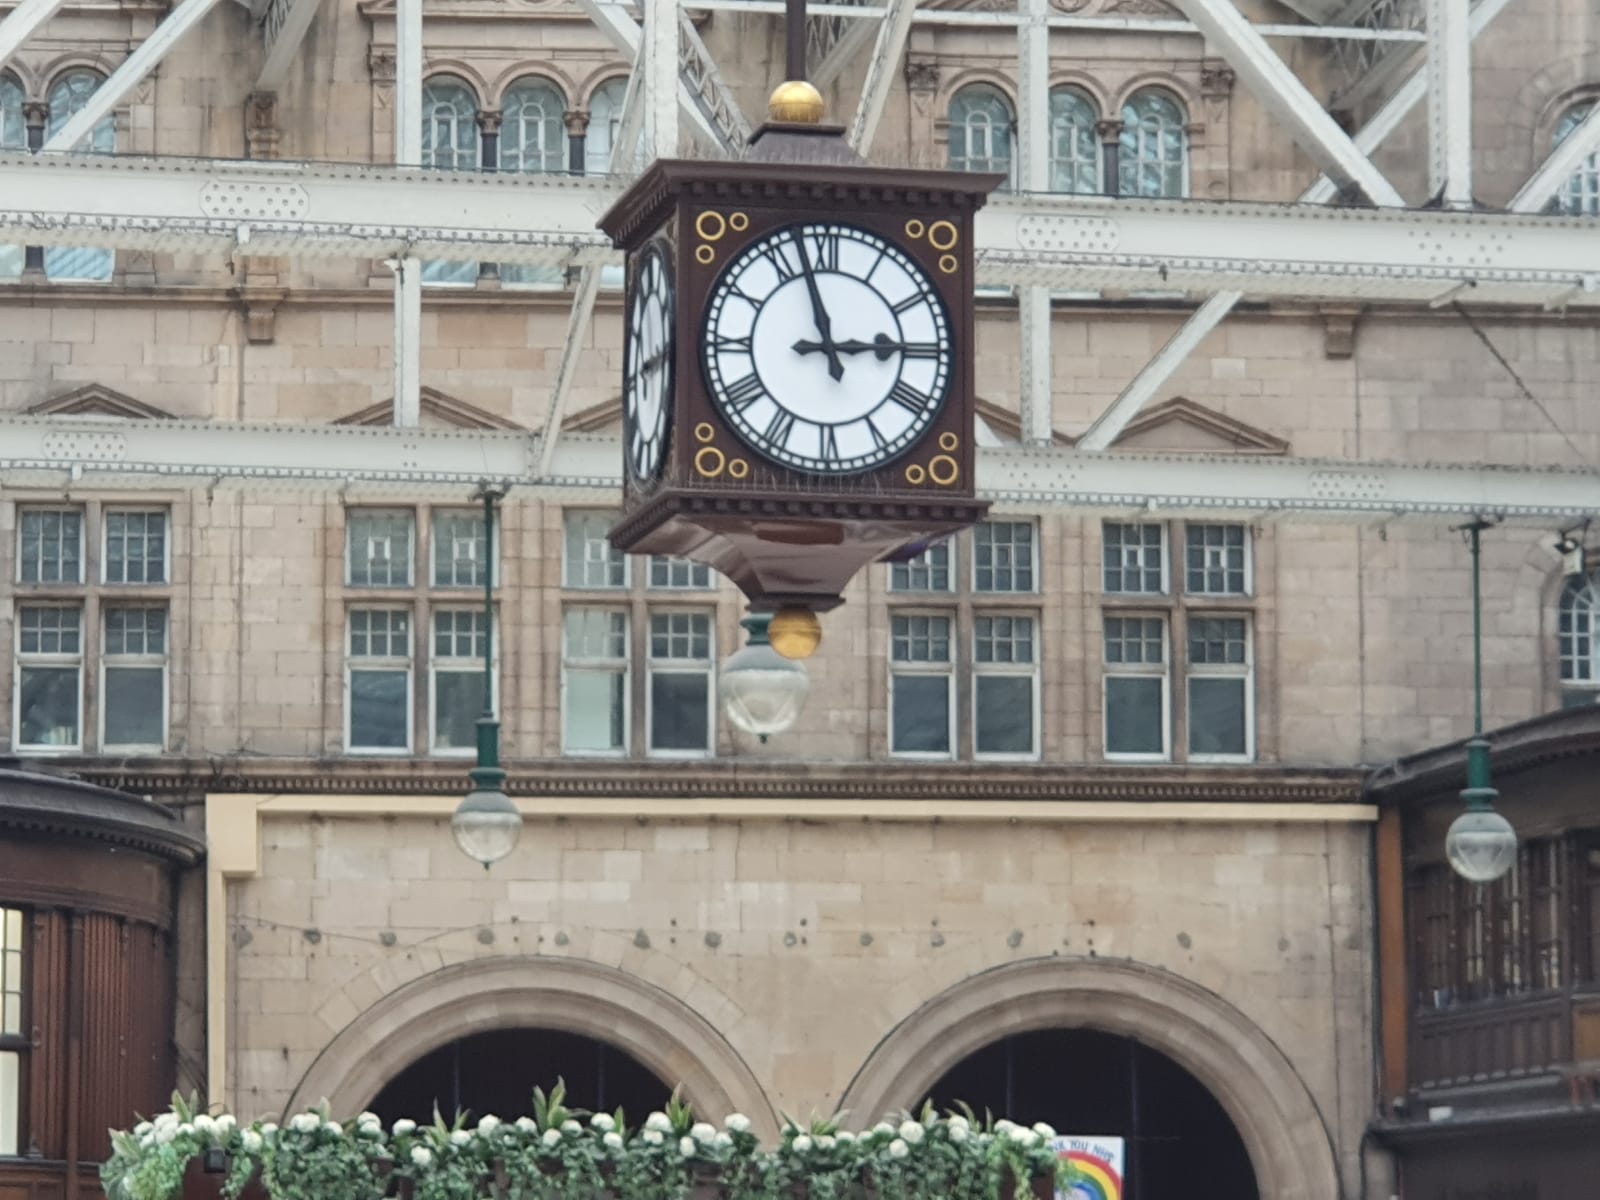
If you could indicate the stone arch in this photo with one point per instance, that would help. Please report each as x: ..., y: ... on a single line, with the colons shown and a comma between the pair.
x: 655, y: 1027
x: 1244, y: 1069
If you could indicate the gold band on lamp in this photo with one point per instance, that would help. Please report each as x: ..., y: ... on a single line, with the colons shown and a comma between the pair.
x: 795, y: 102
x: 795, y: 632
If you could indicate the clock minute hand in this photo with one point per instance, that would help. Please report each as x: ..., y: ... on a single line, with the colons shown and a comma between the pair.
x: 882, y: 345
x: 818, y: 312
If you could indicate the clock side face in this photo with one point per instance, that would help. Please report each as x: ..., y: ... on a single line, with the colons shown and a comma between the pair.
x: 647, y: 370
x: 826, y: 348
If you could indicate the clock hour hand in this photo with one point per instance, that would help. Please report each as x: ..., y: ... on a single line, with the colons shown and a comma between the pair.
x: 818, y: 312
x: 653, y: 363
x: 882, y: 345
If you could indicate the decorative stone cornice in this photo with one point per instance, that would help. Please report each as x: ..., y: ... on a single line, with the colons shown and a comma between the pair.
x: 59, y: 806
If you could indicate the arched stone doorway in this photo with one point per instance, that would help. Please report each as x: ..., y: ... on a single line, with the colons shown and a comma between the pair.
x: 1177, y: 1139
x: 666, y: 1036
x: 1250, y: 1077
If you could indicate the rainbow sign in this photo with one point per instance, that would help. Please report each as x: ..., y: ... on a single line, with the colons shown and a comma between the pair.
x: 1097, y: 1162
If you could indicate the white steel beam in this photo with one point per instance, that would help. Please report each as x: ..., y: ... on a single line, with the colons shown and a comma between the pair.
x: 407, y: 269
x: 881, y: 71
x: 1283, y: 95
x: 84, y: 452
x: 1564, y: 160
x: 1449, y: 103
x: 571, y: 353
x: 856, y: 37
x: 1036, y: 395
x: 658, y: 49
x: 24, y: 19
x: 134, y: 68
x: 284, y: 25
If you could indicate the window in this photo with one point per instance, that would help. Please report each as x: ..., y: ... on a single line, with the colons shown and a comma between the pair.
x: 133, y: 678
x: 532, y: 138
x: 68, y: 95
x: 1577, y: 646
x: 681, y: 665
x: 605, y: 118
x: 457, y: 670
x: 1003, y: 556
x: 136, y: 547
x: 13, y: 136
x: 378, y: 680
x: 49, y: 688
x: 594, y: 681
x: 1134, y: 557
x: 450, y: 142
x: 1581, y: 193
x: 669, y: 572
x: 1220, y: 681
x: 981, y: 125
x: 1005, y: 688
x: 378, y: 547
x: 459, y: 552
x: 1153, y: 158
x: 1135, y: 687
x: 1217, y: 560
x: 13, y: 1037
x: 1074, y: 147
x: 921, y: 684
x: 50, y: 546
x: 929, y: 571
x: 590, y: 560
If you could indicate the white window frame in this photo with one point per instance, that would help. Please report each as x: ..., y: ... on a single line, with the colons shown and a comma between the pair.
x: 1248, y: 555
x: 105, y: 545
x: 26, y: 510
x: 453, y: 665
x: 923, y: 562
x: 1245, y: 670
x: 1166, y: 558
x: 946, y: 668
x: 13, y: 970
x: 623, y: 666
x: 1028, y: 670
x: 681, y: 666
x: 568, y: 516
x: 1124, y: 670
x: 410, y: 580
x: 20, y: 661
x: 438, y: 518
x: 1033, y: 559
x: 667, y: 562
x: 112, y: 662
x: 390, y: 663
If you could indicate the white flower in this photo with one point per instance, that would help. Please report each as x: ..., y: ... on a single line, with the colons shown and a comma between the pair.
x: 603, y: 1122
x: 825, y: 1141
x: 1004, y: 1126
x: 686, y: 1147
x: 334, y: 1128
x: 252, y: 1141
x: 702, y: 1131
x: 958, y: 1120
x: 654, y: 1137
x: 186, y: 1129
x: 226, y: 1124
x: 421, y: 1155
x: 369, y: 1118
x: 460, y: 1137
x: 883, y: 1128
x: 527, y: 1125
x: 551, y: 1137
x: 1024, y: 1137
x: 488, y: 1124
x: 305, y: 1122
x: 404, y: 1126
x: 203, y: 1123
x: 958, y: 1133
x: 271, y: 1128
x: 722, y: 1141
x: 911, y: 1131
x: 657, y: 1122
x: 165, y: 1133
x: 167, y: 1120
x: 898, y: 1149
x: 737, y: 1122
x: 612, y: 1140
x: 845, y: 1136
x: 1044, y: 1131
x: 142, y: 1128
x: 571, y: 1128
x: 801, y: 1144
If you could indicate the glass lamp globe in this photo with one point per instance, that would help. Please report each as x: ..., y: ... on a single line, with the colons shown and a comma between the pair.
x: 1481, y: 845
x: 486, y: 824
x: 761, y: 691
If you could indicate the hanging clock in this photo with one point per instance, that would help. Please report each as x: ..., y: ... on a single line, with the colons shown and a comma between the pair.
x: 647, y: 363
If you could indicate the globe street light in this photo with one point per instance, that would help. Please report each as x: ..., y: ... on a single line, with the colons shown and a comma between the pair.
x: 1481, y: 844
x: 486, y: 823
x: 762, y: 691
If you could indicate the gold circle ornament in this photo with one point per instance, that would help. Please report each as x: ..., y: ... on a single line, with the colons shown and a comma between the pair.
x: 703, y: 432
x: 915, y: 228
x: 709, y: 461
x: 943, y: 470
x: 738, y: 222
x: 948, y: 264
x: 709, y: 220
x: 915, y: 474
x: 738, y: 468
x: 795, y: 631
x: 795, y: 102
x: 948, y: 440
x: 704, y: 255
x: 942, y: 235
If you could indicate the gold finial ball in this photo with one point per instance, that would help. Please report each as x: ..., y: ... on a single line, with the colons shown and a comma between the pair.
x: 795, y: 632
x: 796, y: 102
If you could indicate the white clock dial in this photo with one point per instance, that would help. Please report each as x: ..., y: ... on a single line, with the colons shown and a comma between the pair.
x: 647, y: 363
x: 826, y: 348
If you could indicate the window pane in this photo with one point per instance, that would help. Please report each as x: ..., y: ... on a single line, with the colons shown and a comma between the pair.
x: 980, y: 130
x: 1134, y: 718
x: 918, y: 638
x: 459, y: 556
x: 1134, y: 640
x: 679, y: 715
x: 532, y: 134
x: 680, y: 636
x: 1215, y: 558
x: 449, y: 125
x: 591, y: 561
x: 1003, y: 639
x: 1003, y: 708
x: 1216, y: 716
x: 67, y: 97
x: 136, y: 547
x: 380, y: 633
x: 595, y: 633
x: 10, y: 1099
x: 1218, y: 640
x: 459, y: 635
x: 378, y: 709
x: 135, y: 706
x: 48, y: 700
x: 50, y: 547
x: 1575, y: 640
x: 594, y: 718
x: 667, y: 571
x: 920, y: 722
x: 1131, y: 556
x: 1003, y: 556
x: 457, y: 705
x: 605, y: 119
x: 1581, y: 193
x: 49, y: 630
x: 1154, y: 150
x: 927, y: 572
x: 10, y: 972
x: 135, y: 630
x: 379, y: 545
x: 1074, y: 148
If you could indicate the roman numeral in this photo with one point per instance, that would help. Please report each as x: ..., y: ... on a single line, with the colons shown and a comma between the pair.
x: 735, y: 290
x: 912, y: 301
x: 922, y: 350
x: 773, y: 253
x: 742, y: 393
x: 732, y: 345
x: 876, y: 263
x: 908, y: 398
x: 830, y: 444
x: 825, y: 251
x: 878, y: 440
x: 777, y: 431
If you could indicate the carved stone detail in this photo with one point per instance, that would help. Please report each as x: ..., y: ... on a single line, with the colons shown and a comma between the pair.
x: 1339, y: 329
x: 261, y: 133
x: 1216, y: 80
x: 260, y: 306
x: 381, y: 65
x: 577, y: 121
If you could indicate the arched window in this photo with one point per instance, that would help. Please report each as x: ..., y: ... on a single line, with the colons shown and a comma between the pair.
x: 1581, y: 193
x: 981, y: 125
x: 532, y: 137
x: 451, y: 142
x: 1577, y: 645
x: 68, y: 94
x: 13, y: 136
x: 605, y: 118
x: 1074, y: 149
x: 1153, y: 159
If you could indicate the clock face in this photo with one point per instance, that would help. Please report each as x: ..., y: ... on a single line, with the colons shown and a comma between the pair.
x: 826, y: 348
x: 647, y: 363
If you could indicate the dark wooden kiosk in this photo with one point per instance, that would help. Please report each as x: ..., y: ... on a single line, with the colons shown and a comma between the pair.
x: 88, y: 878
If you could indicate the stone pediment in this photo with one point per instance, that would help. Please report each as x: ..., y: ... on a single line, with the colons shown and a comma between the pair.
x: 439, y: 411
x: 996, y: 425
x: 605, y: 417
x: 93, y: 400
x: 1183, y: 426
